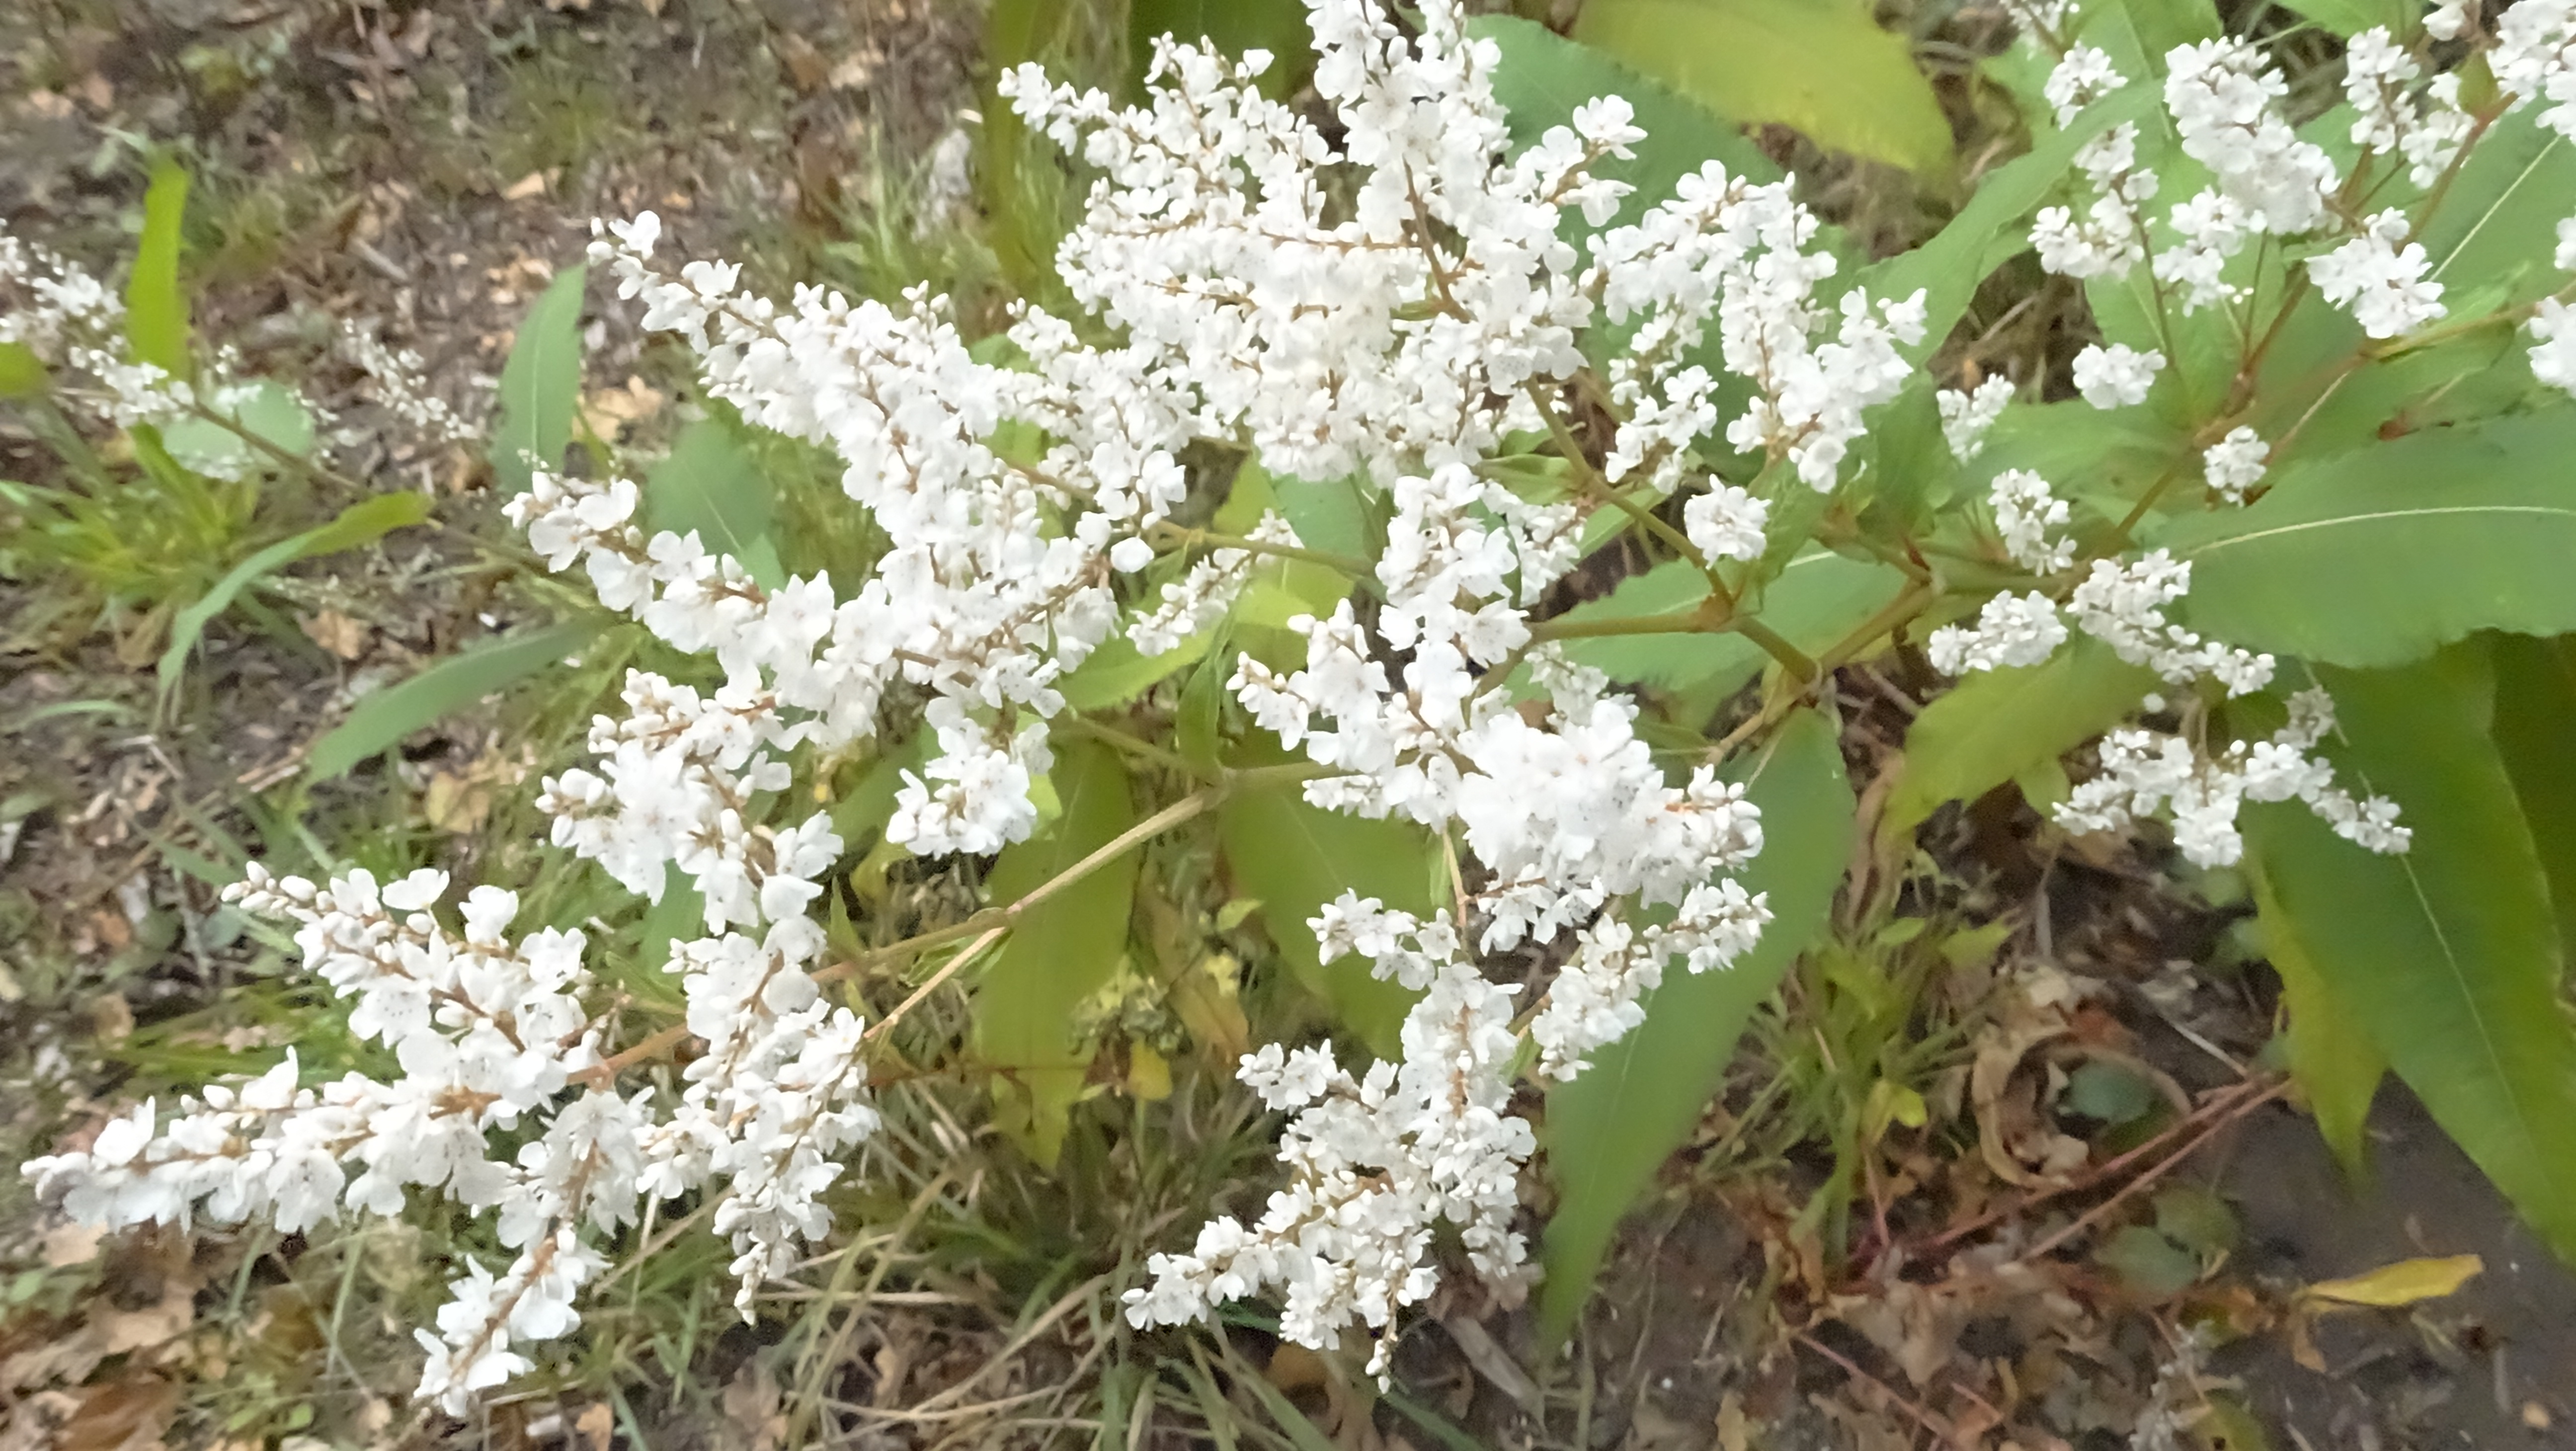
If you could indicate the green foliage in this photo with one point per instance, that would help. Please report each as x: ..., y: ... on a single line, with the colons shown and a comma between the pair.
x: 1060, y: 952
x: 540, y: 385
x: 2332, y: 1057
x: 2448, y: 955
x: 2349, y: 17
x: 711, y: 485
x: 383, y: 719
x: 1817, y: 599
x: 1232, y: 27
x: 1995, y: 726
x: 2381, y: 556
x: 1293, y: 858
x: 2535, y: 700
x: 1610, y: 1128
x: 1544, y: 76
x: 156, y: 312
x: 360, y: 524
x: 1821, y: 66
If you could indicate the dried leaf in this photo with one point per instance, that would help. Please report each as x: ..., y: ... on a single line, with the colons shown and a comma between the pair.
x: 336, y: 632
x: 2406, y: 1282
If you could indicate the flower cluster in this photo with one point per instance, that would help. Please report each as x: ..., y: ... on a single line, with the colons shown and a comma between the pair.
x: 1400, y: 300
x: 69, y: 321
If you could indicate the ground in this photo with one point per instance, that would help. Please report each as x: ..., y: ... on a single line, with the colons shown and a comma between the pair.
x: 2091, y: 1230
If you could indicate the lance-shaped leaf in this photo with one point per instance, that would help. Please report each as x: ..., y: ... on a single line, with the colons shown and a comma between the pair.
x: 361, y: 523
x: 2382, y: 556
x: 1060, y: 951
x: 1816, y: 599
x: 2447, y: 955
x: 712, y: 484
x: 2535, y: 705
x: 1824, y: 67
x: 383, y: 718
x: 1995, y: 725
x: 1293, y: 858
x: 1610, y: 1128
x: 2332, y: 1057
x: 540, y: 385
x: 156, y: 312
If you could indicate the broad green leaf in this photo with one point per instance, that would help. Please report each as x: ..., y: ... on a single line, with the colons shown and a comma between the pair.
x: 267, y: 408
x: 2381, y: 556
x: 1987, y: 232
x: 2332, y: 1058
x: 22, y: 373
x: 1993, y: 726
x: 383, y: 719
x: 2152, y: 1265
x: 2498, y: 224
x: 1115, y: 673
x: 712, y: 484
x: 1232, y: 27
x: 2447, y: 955
x: 156, y: 313
x: 2535, y: 713
x: 1817, y: 599
x: 1823, y: 67
x: 540, y: 385
x: 1293, y: 858
x: 2350, y: 17
x: 1610, y: 1128
x: 1544, y: 76
x: 363, y: 522
x: 1059, y: 953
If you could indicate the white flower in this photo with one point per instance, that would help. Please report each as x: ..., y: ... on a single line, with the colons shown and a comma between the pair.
x: 2553, y: 358
x: 1726, y: 522
x: 2082, y: 76
x: 2381, y: 282
x: 2010, y: 630
x: 2114, y: 376
x: 2225, y: 99
x: 2235, y: 463
x: 1966, y: 414
x: 2144, y: 773
x: 2027, y: 515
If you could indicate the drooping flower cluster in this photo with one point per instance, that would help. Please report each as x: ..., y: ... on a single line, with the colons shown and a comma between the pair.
x: 1392, y: 300
x: 69, y: 321
x: 2144, y: 773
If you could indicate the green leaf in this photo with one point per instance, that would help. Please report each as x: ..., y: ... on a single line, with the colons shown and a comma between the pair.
x: 540, y: 385
x: 22, y: 373
x: 2332, y: 1059
x: 711, y: 484
x: 156, y: 314
x: 2447, y: 955
x: 381, y: 720
x: 1612, y: 1127
x: 2535, y: 707
x: 363, y: 522
x: 1544, y: 76
x: 2108, y: 1092
x: 1232, y: 27
x: 1060, y: 952
x: 2381, y: 556
x: 1821, y: 66
x: 1817, y: 599
x: 1115, y: 672
x: 1994, y: 726
x: 2152, y: 1264
x: 1294, y: 858
x: 2350, y: 17
x: 266, y: 408
x: 1986, y: 232
x: 2498, y: 225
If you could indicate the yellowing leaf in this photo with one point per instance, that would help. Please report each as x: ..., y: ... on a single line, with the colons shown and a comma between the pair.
x: 1822, y: 66
x: 2406, y: 1282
